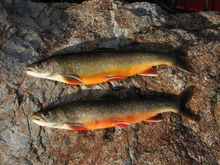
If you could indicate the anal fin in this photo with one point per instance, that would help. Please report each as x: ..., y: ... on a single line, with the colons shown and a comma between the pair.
x: 72, y: 79
x: 116, y: 78
x: 149, y: 72
x: 76, y: 126
x: 121, y: 124
x: 156, y: 118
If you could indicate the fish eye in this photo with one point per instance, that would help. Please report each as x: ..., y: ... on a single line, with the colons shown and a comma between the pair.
x: 45, y: 114
x: 38, y: 65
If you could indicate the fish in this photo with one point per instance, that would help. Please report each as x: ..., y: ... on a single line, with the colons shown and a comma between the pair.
x: 87, y: 68
x: 103, y: 113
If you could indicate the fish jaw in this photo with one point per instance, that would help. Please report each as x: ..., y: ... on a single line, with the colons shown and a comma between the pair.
x: 32, y: 72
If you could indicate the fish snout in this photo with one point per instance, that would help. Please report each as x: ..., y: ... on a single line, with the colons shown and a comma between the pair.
x: 28, y: 68
x: 34, y: 117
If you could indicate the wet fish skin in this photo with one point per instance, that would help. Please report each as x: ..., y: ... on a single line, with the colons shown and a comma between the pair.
x: 87, y: 115
x: 100, y: 66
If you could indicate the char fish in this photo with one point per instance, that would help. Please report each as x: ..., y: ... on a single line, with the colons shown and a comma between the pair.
x: 87, y: 115
x: 101, y: 66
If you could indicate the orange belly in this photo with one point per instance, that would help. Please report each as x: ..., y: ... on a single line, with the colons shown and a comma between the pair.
x: 121, y: 71
x: 135, y: 118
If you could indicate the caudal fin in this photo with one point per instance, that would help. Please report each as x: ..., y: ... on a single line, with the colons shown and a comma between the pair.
x: 180, y: 54
x: 184, y: 99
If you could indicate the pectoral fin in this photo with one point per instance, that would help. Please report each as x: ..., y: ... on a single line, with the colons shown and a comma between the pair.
x: 157, y: 118
x: 149, y: 72
x: 121, y: 124
x: 76, y: 126
x: 72, y: 79
x: 116, y: 78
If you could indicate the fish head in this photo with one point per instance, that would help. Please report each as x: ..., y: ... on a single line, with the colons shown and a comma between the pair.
x: 43, y: 69
x: 50, y: 118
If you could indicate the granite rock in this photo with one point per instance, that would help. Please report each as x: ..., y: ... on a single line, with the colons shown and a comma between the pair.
x: 31, y: 31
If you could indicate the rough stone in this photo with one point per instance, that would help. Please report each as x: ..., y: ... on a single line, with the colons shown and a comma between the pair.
x: 31, y: 31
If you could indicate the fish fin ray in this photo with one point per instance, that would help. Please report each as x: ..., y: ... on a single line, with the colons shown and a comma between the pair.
x: 76, y: 126
x: 184, y: 99
x: 121, y: 124
x: 115, y: 78
x: 180, y: 54
x: 156, y: 118
x: 72, y: 79
x: 149, y: 72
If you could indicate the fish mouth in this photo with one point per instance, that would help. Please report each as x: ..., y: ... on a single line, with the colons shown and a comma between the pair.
x: 35, y: 118
x: 28, y: 69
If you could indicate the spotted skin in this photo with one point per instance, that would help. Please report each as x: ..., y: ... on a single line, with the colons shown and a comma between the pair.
x: 100, y: 66
x: 105, y: 114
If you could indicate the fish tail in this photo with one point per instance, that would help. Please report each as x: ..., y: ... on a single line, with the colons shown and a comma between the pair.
x: 180, y: 54
x: 184, y: 99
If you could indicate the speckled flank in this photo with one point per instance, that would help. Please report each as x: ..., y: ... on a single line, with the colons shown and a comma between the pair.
x: 103, y: 114
x: 90, y: 64
x: 97, y: 67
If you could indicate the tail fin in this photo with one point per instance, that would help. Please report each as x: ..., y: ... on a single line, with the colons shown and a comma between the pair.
x: 184, y: 99
x: 180, y: 54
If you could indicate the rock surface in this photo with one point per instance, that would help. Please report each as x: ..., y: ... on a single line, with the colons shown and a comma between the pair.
x: 31, y: 31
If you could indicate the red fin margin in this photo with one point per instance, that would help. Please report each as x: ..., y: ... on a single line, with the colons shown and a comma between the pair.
x: 157, y: 118
x: 121, y: 124
x: 116, y: 78
x: 72, y: 79
x: 149, y: 72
